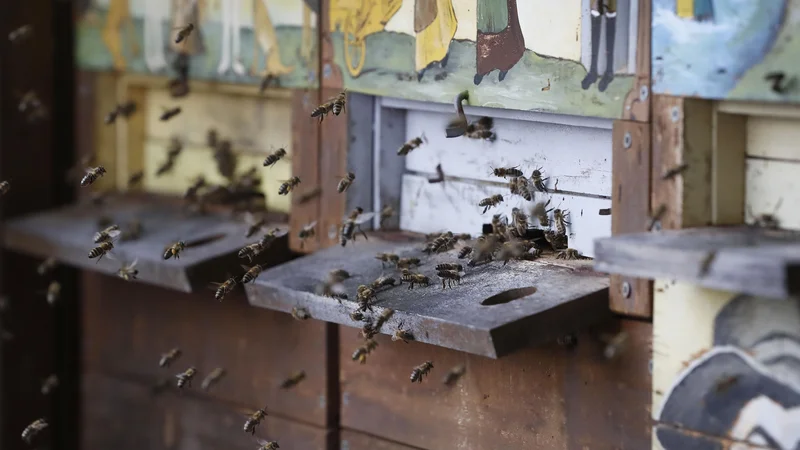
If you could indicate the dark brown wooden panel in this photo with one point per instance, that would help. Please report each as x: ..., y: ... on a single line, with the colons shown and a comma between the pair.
x: 333, y: 157
x: 125, y: 415
x: 630, y: 209
x: 305, y: 164
x: 353, y: 440
x: 128, y: 326
x: 549, y: 397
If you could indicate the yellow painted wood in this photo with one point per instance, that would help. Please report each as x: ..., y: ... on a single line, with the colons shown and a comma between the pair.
x: 685, y: 8
x: 771, y: 137
x: 767, y: 183
x: 727, y: 168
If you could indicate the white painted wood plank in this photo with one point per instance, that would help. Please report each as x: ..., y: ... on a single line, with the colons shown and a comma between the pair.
x: 578, y: 157
x: 767, y: 182
x: 453, y: 206
x: 770, y: 137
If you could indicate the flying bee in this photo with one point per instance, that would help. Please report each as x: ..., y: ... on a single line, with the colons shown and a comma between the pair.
x: 401, y: 334
x: 308, y: 231
x: 450, y: 266
x: 255, y: 225
x: 274, y: 157
x: 107, y: 234
x: 49, y: 384
x: 175, y: 148
x: 489, y: 202
x: 499, y: 224
x: 420, y: 371
x: 132, y: 232
x: 361, y: 353
x: 333, y: 290
x: 128, y: 272
x: 541, y: 212
x: 406, y: 263
x: 386, y: 314
x: 293, y: 380
x: 504, y: 172
x: 46, y: 266
x: 412, y: 144
x: 338, y: 275
x: 481, y: 129
x: 560, y: 221
x: 252, y: 273
x: 30, y: 105
x: 212, y: 378
x: 288, y: 185
x: 386, y: 213
x: 521, y: 186
x: 268, y: 445
x: 339, y: 103
x: 122, y: 109
x: 169, y: 357
x: 300, y: 313
x: 382, y: 282
x: 269, y: 237
x: 510, y: 250
x: 20, y: 34
x: 352, y: 223
x: 615, y: 345
x: 364, y: 296
x: 569, y: 253
x: 449, y: 276
x: 33, y: 429
x: 4, y: 187
x: 169, y: 113
x: 92, y: 175
x: 269, y: 79
x: 556, y: 240
x: 345, y: 182
x: 250, y: 251
x: 390, y: 258
x: 454, y: 374
x: 255, y: 419
x: 415, y: 278
x: 53, y: 292
x: 322, y: 110
x: 174, y: 250
x: 464, y: 252
x: 101, y: 250
x: 538, y: 181
x: 191, y: 191
x: 185, y: 377
x: 520, y: 222
x: 224, y: 288
x: 183, y: 33
x: 135, y: 179
x: 166, y: 167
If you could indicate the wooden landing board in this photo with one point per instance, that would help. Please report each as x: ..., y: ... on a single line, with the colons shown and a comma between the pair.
x: 746, y: 259
x: 67, y: 233
x: 550, y: 299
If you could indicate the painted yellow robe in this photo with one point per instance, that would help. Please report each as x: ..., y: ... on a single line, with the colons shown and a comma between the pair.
x: 435, y: 25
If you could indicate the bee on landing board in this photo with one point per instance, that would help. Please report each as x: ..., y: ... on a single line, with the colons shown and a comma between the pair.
x: 255, y: 419
x: 569, y: 254
x: 293, y: 380
x: 390, y: 258
x: 407, y: 263
x: 464, y: 252
x: 288, y: 186
x: 300, y: 313
x: 345, y: 182
x: 128, y: 272
x: 212, y: 378
x: 401, y: 334
x: 274, y: 157
x: 169, y: 357
x: 174, y: 250
x: 449, y: 276
x: 364, y: 297
x: 420, y: 371
x: 185, y: 377
x: 92, y: 175
x: 5, y: 186
x: 32, y: 430
x: 412, y: 144
x: 504, y: 172
x: 414, y: 278
x: 268, y: 445
x: 490, y: 202
x: 101, y: 250
x: 183, y: 33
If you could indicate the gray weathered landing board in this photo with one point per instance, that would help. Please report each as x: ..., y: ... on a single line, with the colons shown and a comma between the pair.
x: 746, y: 259
x: 67, y: 235
x: 567, y: 297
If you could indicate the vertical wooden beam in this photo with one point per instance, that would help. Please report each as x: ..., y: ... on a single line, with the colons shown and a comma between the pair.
x: 305, y: 164
x: 637, y: 102
x: 729, y: 146
x: 333, y: 158
x: 630, y: 208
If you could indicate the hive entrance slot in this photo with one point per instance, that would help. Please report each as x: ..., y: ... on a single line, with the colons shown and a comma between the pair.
x: 199, y: 242
x: 509, y: 296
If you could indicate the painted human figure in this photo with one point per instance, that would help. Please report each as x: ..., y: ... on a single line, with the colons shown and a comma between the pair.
x: 434, y: 25
x: 267, y: 41
x: 500, y: 43
x: 600, y: 8
x: 118, y: 15
x: 155, y: 12
x: 231, y: 38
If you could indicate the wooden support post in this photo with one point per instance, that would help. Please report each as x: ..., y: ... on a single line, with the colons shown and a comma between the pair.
x: 305, y: 164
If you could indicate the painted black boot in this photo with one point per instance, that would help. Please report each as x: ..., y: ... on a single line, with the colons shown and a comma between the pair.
x: 591, y: 77
x: 611, y: 29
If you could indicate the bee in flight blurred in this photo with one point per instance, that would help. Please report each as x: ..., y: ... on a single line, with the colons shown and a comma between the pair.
x: 183, y: 33
x: 92, y: 174
x: 352, y: 223
x: 174, y: 250
x: 128, y: 272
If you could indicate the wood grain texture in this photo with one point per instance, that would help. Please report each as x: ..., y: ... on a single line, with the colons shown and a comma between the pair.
x: 637, y: 102
x: 353, y: 440
x: 681, y: 135
x: 544, y: 397
x: 305, y: 164
x: 121, y: 414
x: 334, y: 143
x: 128, y: 326
x: 727, y: 168
x: 630, y: 206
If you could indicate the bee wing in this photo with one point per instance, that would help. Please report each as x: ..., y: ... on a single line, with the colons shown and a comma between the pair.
x: 364, y: 217
x: 310, y: 225
x: 249, y: 218
x: 113, y: 234
x: 133, y: 264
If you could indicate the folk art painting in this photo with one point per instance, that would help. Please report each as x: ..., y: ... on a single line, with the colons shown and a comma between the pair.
x: 727, y: 49
x: 726, y: 371
x: 571, y: 57
x: 239, y: 41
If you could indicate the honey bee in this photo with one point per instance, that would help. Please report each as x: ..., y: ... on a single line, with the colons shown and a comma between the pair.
x: 415, y: 278
x: 49, y: 384
x: 268, y: 445
x: 454, y: 374
x: 20, y: 34
x: 300, y: 313
x: 705, y: 263
x: 92, y: 175
x: 489, y: 202
x: 420, y: 371
x: 288, y: 185
x: 464, y: 252
x: 175, y: 148
x: 107, y: 234
x: 532, y: 254
x: 520, y: 222
x: 556, y: 240
x: 338, y: 275
x: 450, y: 266
x: 345, y: 182
x: 165, y: 168
x: 250, y: 251
x: 401, y: 334
x: 538, y: 181
x: 32, y: 106
x: 333, y: 290
x: 386, y: 314
x: 368, y: 330
x: 101, y: 250
x: 128, y: 272
x: 191, y: 191
x: 33, y: 429
x: 569, y: 253
x: 443, y: 243
x: 135, y: 179
x: 169, y: 113
x: 174, y: 250
x: 293, y: 380
x: 46, y: 266
x: 390, y: 258
x: 352, y: 223
x: 122, y: 109
x: 541, y: 212
x: 504, y: 172
x: 252, y: 273
x: 412, y: 144
x: 382, y: 282
x: 616, y: 345
x: 656, y: 216
x: 212, y: 378
x: 339, y: 103
x: 183, y: 33
x: 224, y: 288
x: 481, y: 129
x: 361, y: 353
x: 274, y: 157
x: 449, y: 276
x: 510, y: 250
x: 308, y: 231
x: 406, y: 263
x: 357, y: 316
x: 560, y: 221
x: 364, y: 296
x: 255, y: 419
x: 386, y: 213
x: 255, y: 225
x: 4, y: 187
x: 269, y: 79
x: 322, y: 110
x: 766, y: 220
x: 169, y: 357
x: 132, y: 232
x: 521, y: 186
x: 185, y: 377
x: 499, y: 224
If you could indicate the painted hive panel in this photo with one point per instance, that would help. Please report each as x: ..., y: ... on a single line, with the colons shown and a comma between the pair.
x: 527, y: 55
x: 237, y: 41
x: 726, y: 49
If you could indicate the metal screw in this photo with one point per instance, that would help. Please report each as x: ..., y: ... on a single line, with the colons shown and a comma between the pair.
x: 643, y: 93
x: 676, y: 114
x: 627, y: 141
x: 626, y: 289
